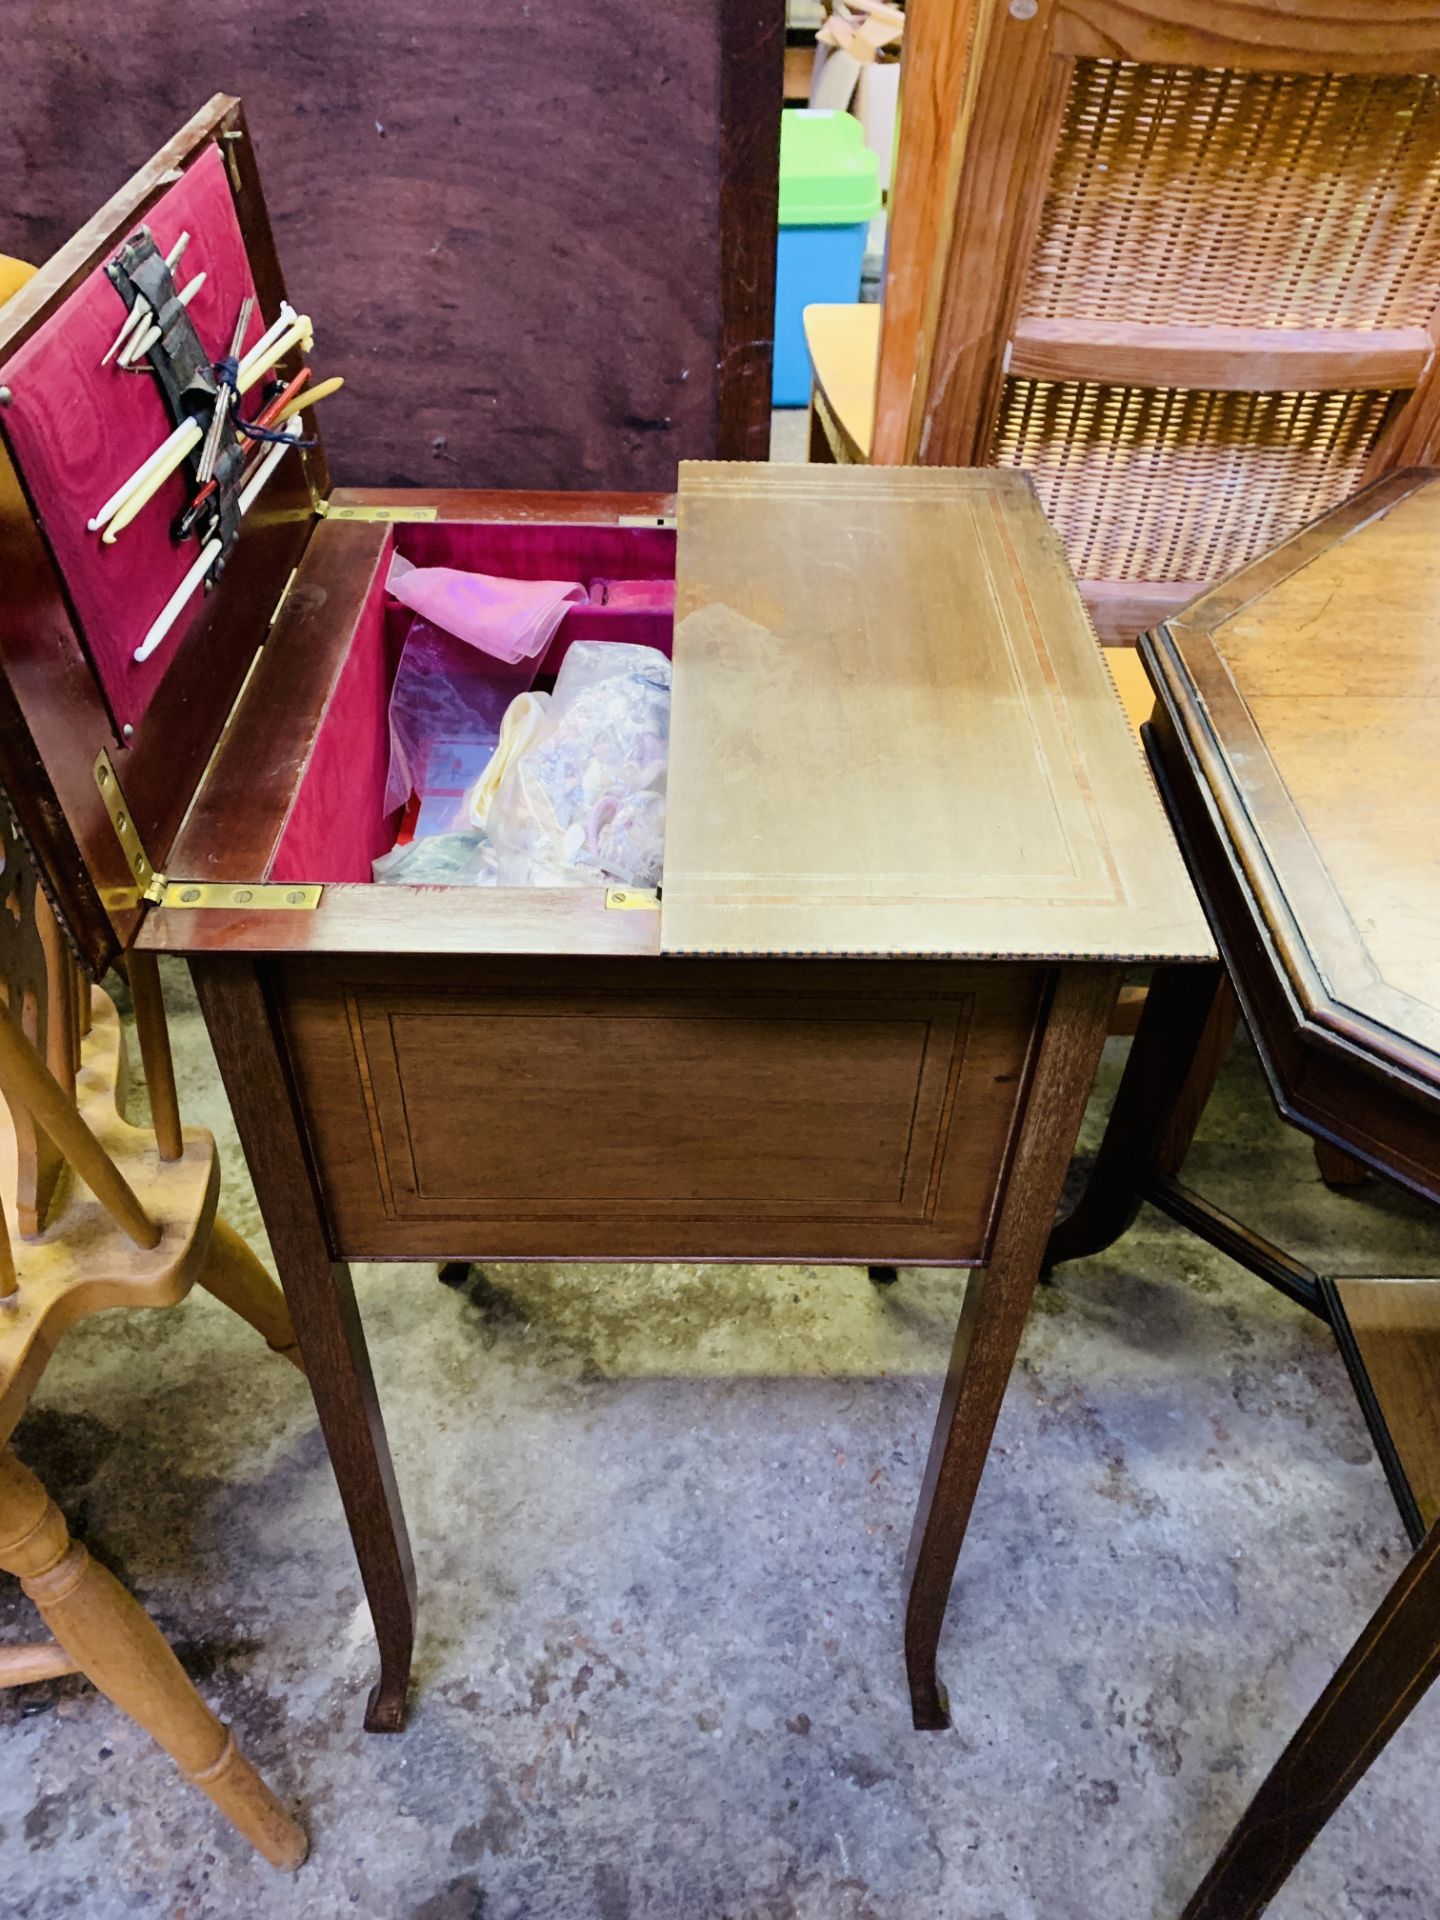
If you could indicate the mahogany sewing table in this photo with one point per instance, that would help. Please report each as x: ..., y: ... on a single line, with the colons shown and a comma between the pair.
x: 912, y: 847
x: 1296, y: 740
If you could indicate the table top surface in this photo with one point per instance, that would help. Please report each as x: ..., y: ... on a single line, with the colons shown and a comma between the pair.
x: 894, y: 733
x: 1309, y: 691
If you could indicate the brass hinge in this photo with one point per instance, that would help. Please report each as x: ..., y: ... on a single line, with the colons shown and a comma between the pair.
x: 193, y: 895
x: 161, y: 891
x: 633, y: 899
x: 136, y: 858
x: 327, y: 512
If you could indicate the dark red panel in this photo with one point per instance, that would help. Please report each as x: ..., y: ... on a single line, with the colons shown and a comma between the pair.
x: 78, y: 429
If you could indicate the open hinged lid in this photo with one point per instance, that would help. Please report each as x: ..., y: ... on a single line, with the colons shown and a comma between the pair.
x: 893, y: 731
x: 1307, y: 689
x: 73, y: 609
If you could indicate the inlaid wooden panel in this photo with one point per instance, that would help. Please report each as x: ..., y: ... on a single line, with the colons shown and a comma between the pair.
x: 1310, y: 684
x: 893, y: 731
x: 660, y: 1109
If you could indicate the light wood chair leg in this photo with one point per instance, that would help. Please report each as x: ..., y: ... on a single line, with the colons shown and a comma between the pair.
x: 237, y: 1279
x: 143, y: 972
x: 118, y: 1647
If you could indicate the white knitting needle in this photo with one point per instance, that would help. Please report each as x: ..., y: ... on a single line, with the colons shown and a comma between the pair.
x: 207, y: 555
x: 138, y: 478
x: 127, y: 500
x: 142, y: 306
x: 140, y: 311
x: 271, y: 333
x: 145, y: 340
x: 300, y: 332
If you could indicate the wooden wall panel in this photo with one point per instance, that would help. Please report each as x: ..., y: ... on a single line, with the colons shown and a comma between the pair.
x: 537, y: 239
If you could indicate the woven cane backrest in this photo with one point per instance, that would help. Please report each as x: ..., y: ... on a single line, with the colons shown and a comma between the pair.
x: 1259, y: 199
x: 1194, y: 293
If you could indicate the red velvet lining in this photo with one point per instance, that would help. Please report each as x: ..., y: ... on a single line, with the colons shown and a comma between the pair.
x: 336, y: 826
x: 77, y: 430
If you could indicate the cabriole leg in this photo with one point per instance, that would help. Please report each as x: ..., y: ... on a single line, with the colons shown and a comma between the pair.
x: 321, y: 1298
x: 997, y: 1301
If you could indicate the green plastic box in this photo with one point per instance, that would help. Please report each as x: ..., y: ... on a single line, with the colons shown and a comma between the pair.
x: 829, y: 193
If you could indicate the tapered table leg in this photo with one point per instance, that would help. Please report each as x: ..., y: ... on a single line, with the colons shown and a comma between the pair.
x: 997, y: 1301
x: 1157, y: 1106
x: 321, y: 1300
x: 1383, y: 1676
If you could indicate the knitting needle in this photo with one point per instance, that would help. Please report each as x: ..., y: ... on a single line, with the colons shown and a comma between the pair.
x: 298, y: 332
x: 142, y: 342
x: 133, y: 319
x: 145, y: 490
x: 142, y: 473
x: 305, y: 400
x: 224, y: 395
x: 148, y: 479
x: 282, y: 409
x: 271, y: 333
x: 270, y: 416
x: 207, y: 555
x: 142, y: 306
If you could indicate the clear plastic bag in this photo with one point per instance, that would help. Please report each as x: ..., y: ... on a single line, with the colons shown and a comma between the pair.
x: 584, y: 804
x: 464, y: 859
x: 476, y: 641
x: 444, y: 689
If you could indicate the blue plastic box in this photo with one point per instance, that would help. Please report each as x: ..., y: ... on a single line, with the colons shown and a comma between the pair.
x: 829, y: 193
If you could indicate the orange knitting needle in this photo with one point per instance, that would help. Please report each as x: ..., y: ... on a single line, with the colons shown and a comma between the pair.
x: 269, y: 416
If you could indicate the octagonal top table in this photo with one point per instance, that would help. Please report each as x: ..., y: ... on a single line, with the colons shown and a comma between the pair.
x: 1296, y: 742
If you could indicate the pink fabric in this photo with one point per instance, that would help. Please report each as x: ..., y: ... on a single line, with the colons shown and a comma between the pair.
x: 77, y: 430
x: 559, y: 550
x: 511, y: 620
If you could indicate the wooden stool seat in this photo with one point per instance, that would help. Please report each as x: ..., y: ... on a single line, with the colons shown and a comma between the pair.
x: 844, y: 347
x: 83, y: 1263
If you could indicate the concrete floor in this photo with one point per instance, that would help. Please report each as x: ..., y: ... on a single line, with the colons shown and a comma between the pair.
x: 659, y: 1519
